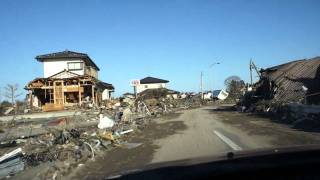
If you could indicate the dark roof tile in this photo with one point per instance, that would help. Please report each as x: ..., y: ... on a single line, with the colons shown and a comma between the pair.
x: 67, y: 54
x: 151, y: 80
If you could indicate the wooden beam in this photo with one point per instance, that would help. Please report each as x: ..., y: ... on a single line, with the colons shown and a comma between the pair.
x: 92, y: 94
x: 45, y: 93
x: 31, y: 100
x: 79, y: 93
x: 96, y: 98
x: 47, y: 87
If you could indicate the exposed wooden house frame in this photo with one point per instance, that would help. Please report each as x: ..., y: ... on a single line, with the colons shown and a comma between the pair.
x: 57, y: 93
x: 60, y: 87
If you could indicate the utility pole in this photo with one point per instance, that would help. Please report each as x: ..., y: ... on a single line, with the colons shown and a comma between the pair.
x: 253, y: 66
x: 135, y: 91
x: 201, y: 85
x: 201, y: 80
x: 216, y: 63
x: 250, y: 67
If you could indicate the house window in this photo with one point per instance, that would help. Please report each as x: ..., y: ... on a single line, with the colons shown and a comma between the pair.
x: 75, y: 66
x: 145, y: 86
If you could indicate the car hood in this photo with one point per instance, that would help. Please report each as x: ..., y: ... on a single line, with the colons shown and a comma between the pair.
x: 228, y: 156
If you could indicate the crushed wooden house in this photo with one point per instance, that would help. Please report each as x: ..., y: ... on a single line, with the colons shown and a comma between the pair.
x: 70, y: 78
x: 296, y: 81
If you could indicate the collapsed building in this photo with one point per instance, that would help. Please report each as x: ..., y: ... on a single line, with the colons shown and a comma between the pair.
x: 289, y: 92
x: 70, y: 78
x: 294, y: 82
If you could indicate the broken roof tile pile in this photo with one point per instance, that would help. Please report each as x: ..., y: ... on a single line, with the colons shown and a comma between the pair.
x: 291, y: 80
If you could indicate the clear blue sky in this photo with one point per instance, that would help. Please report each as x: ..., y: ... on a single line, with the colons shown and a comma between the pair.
x: 173, y: 40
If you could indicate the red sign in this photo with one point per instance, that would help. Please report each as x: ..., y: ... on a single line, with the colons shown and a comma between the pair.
x: 135, y: 82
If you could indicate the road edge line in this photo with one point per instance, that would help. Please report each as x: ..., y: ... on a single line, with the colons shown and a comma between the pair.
x: 228, y: 141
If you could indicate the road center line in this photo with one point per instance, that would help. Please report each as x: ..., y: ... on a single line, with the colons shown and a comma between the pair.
x: 228, y: 141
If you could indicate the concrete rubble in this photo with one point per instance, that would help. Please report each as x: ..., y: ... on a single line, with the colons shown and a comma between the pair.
x: 63, y: 143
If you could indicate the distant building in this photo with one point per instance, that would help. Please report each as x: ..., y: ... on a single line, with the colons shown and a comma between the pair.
x: 128, y: 95
x: 173, y: 94
x: 69, y: 79
x: 151, y: 83
x: 207, y: 95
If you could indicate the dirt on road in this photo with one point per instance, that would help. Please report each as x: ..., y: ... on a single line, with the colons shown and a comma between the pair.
x: 122, y: 159
x: 279, y: 133
x: 194, y: 133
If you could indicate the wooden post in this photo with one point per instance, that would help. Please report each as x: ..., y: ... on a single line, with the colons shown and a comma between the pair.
x: 96, y: 100
x: 92, y: 95
x: 31, y: 100
x: 79, y: 89
x: 134, y: 91
x: 250, y: 67
x: 54, y: 91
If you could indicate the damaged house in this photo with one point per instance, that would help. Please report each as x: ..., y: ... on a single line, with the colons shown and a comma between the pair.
x: 296, y: 81
x: 70, y: 78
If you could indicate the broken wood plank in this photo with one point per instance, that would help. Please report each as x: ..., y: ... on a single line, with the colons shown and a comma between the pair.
x: 52, y: 107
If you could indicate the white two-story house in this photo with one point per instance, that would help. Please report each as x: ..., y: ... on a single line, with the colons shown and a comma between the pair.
x: 151, y: 83
x: 69, y: 78
x: 78, y: 63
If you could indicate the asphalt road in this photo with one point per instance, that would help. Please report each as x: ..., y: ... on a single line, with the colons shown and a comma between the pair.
x: 204, y: 136
x: 196, y: 133
x: 215, y: 130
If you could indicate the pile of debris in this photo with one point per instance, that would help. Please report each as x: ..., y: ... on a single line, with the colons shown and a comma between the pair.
x: 67, y: 142
x: 283, y: 87
x: 159, y: 101
x: 293, y: 82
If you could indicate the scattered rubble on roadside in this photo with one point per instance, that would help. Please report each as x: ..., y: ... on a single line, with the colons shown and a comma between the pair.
x: 67, y: 142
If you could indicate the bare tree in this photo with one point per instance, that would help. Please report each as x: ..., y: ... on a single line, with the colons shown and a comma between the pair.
x: 229, y: 79
x: 234, y: 85
x: 11, y: 92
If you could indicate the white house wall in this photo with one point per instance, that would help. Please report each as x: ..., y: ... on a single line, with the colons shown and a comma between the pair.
x: 207, y: 95
x: 106, y: 94
x: 53, y: 67
x: 143, y: 87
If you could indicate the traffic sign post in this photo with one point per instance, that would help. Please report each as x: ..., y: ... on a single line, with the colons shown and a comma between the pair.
x: 135, y: 83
